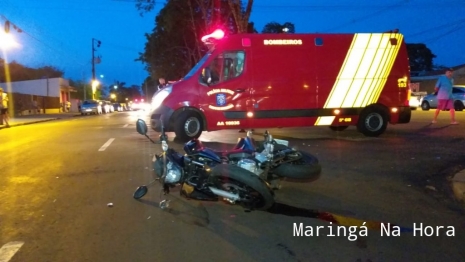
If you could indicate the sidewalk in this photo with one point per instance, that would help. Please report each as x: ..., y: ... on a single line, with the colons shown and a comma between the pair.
x: 31, y: 119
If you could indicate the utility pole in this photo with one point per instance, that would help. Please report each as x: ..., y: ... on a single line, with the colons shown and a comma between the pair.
x: 93, y: 64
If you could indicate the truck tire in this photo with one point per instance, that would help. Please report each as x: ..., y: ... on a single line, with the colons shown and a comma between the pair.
x: 188, y: 125
x: 245, y: 183
x: 372, y: 122
x: 306, y: 167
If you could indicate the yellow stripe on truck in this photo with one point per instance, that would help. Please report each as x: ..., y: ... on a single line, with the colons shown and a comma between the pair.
x: 364, y: 71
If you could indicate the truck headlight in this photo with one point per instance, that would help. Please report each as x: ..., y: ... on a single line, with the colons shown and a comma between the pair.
x: 159, y: 97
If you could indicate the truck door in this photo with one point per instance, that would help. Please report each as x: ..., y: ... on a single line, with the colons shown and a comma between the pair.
x: 226, y: 93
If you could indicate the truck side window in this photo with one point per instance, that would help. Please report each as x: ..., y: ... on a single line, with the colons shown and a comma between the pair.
x: 226, y: 66
x: 233, y: 64
x: 239, y: 63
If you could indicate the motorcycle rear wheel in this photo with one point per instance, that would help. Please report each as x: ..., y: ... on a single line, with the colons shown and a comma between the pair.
x: 254, y: 192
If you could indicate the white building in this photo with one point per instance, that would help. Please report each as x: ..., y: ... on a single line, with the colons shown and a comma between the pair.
x: 38, y: 96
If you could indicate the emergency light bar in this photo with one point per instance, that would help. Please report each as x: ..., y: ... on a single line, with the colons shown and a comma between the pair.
x: 217, y: 34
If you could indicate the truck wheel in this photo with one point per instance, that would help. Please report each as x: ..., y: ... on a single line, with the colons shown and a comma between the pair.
x: 372, y: 122
x: 425, y: 106
x: 188, y: 126
x: 254, y: 192
x: 338, y: 128
x: 458, y: 106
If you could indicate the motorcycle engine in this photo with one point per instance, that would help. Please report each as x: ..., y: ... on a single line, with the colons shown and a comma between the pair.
x: 250, y: 165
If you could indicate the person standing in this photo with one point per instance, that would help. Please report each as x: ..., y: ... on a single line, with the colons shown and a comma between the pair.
x: 162, y: 83
x: 4, y: 107
x: 444, y: 95
x: 68, y: 106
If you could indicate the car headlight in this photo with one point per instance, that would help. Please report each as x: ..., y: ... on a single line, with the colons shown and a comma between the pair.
x: 160, y: 97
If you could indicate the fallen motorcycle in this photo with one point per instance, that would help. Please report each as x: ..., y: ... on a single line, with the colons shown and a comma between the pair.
x: 199, y: 180
x: 286, y: 162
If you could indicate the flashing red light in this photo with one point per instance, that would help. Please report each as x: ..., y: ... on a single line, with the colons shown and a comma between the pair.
x: 217, y: 34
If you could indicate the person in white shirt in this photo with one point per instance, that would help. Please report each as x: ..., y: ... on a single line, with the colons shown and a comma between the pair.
x: 4, y: 107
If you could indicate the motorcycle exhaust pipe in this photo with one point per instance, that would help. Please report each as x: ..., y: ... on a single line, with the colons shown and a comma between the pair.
x: 225, y: 194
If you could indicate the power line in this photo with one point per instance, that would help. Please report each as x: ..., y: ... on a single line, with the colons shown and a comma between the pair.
x: 458, y: 22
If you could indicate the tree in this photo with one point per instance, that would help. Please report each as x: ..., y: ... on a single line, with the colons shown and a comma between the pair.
x: 277, y: 28
x: 19, y: 72
x: 174, y: 45
x: 420, y: 57
x: 81, y: 87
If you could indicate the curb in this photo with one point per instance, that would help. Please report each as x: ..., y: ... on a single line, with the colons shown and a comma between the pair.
x: 28, y: 123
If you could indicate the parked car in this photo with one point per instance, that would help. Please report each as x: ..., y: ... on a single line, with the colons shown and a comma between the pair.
x: 117, y: 107
x: 107, y: 107
x: 458, y: 93
x: 91, y: 107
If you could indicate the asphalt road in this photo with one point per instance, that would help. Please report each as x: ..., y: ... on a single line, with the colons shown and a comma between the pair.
x: 58, y: 179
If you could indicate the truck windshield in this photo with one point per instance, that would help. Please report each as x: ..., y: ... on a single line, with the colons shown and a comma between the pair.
x: 198, y: 65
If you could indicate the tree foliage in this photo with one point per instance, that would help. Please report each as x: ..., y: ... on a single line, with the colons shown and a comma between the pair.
x: 277, y: 28
x: 18, y: 72
x: 420, y: 57
x: 174, y: 45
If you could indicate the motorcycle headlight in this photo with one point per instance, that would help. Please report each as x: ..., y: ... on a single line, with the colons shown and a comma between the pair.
x: 164, y: 146
x: 173, y: 173
x: 160, y: 96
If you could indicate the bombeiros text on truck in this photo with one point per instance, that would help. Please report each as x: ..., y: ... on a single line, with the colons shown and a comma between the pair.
x: 290, y: 80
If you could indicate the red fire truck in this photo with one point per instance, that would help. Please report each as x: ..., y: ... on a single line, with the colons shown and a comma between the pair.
x: 290, y: 80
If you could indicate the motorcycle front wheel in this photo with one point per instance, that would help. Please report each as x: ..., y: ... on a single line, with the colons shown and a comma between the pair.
x: 253, y: 191
x: 305, y: 166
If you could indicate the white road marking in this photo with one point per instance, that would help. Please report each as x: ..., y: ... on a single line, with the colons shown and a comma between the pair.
x: 9, y: 250
x: 107, y: 144
x: 126, y: 125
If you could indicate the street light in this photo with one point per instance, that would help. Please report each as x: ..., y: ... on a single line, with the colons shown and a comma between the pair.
x: 7, y: 41
x: 95, y: 83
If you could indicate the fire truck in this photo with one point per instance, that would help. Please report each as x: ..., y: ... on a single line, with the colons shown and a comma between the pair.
x: 250, y: 81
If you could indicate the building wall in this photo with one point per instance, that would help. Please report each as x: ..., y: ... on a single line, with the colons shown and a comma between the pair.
x: 40, y: 87
x: 37, y: 96
x: 427, y: 83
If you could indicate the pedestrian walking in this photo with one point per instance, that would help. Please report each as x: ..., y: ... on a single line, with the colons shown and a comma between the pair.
x: 68, y: 106
x: 444, y: 96
x: 4, y: 107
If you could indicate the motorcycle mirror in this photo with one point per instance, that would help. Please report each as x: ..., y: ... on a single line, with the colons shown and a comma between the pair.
x: 140, y: 192
x: 141, y: 127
